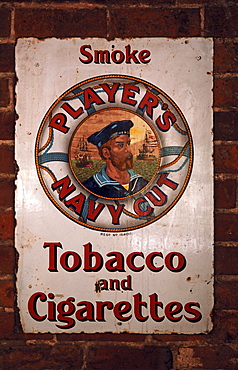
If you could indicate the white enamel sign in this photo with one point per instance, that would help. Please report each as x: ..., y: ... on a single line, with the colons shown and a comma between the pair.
x: 114, y: 194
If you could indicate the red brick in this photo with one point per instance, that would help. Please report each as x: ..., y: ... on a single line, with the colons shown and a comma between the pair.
x: 6, y: 324
x: 5, y: 21
x: 225, y: 92
x: 226, y: 57
x: 19, y: 336
x: 42, y: 357
x: 122, y: 337
x: 109, y: 2
x: 7, y: 125
x: 7, y: 58
x: 57, y: 2
x: 6, y: 159
x: 6, y: 293
x: 226, y: 126
x: 124, y: 357
x: 128, y: 2
x: 202, y: 2
x: 226, y: 227
x: 30, y: 1
x: 226, y: 158
x: 177, y: 338
x: 226, y: 295
x: 225, y: 193
x: 208, y: 357
x: 226, y: 260
x: 60, y: 22
x: 6, y: 192
x: 4, y: 92
x: 7, y: 261
x: 123, y: 3
x: 6, y: 225
x: 221, y: 21
x: 182, y: 2
x: 132, y: 22
x: 225, y: 325
x: 136, y: 22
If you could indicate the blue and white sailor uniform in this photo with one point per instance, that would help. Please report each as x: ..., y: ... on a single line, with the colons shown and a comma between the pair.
x: 102, y: 185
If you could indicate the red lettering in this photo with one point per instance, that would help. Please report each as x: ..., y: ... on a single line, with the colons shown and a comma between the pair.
x: 88, y: 256
x: 66, y: 187
x: 138, y: 304
x: 63, y: 311
x: 154, y: 304
x: 111, y: 92
x: 115, y: 213
x: 86, y: 313
x: 128, y: 93
x: 149, y: 102
x: 100, y: 315
x: 90, y: 97
x: 143, y: 54
x: 59, y: 122
x: 131, y: 55
x: 32, y: 306
x: 119, y: 260
x: 93, y: 261
x: 76, y: 203
x: 142, y: 207
x: 52, y: 255
x: 158, y: 200
x: 197, y: 315
x: 114, y: 284
x: 121, y: 309
x: 121, y: 57
x: 126, y: 283
x: 103, y: 56
x: 51, y: 308
x: 161, y: 198
x: 181, y: 262
x: 130, y: 261
x: 168, y: 118
x: 64, y: 261
x: 103, y: 284
x: 150, y: 259
x: 64, y: 314
x: 86, y: 54
x: 172, y: 309
x: 72, y: 112
x: 93, y: 212
x: 164, y: 180
x: 99, y: 56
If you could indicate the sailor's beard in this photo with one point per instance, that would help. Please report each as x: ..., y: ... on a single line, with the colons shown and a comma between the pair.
x: 122, y: 164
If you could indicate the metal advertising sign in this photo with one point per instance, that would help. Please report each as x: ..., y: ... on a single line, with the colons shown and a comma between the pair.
x: 114, y: 195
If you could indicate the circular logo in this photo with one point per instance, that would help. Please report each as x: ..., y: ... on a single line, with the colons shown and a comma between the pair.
x: 114, y: 153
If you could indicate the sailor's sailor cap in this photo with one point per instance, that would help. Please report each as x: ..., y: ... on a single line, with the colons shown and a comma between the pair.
x: 115, y: 128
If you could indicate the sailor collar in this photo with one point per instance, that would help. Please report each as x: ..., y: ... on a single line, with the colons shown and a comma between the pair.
x: 102, y: 179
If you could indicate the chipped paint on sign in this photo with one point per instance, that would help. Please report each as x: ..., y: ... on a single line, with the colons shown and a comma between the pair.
x: 114, y: 198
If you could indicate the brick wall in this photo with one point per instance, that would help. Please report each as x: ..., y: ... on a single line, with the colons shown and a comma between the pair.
x: 127, y: 18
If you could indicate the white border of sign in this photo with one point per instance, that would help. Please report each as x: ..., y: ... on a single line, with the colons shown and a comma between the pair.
x: 149, y: 299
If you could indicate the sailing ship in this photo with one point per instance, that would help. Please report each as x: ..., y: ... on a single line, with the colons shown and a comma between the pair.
x: 146, y: 150
x: 83, y: 157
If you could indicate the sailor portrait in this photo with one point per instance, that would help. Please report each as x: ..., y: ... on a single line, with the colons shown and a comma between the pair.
x: 116, y: 178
